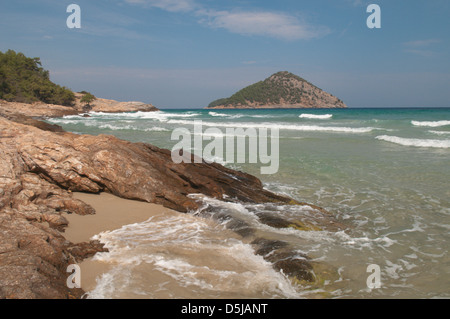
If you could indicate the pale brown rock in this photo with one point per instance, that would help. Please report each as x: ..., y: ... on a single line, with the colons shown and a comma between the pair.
x: 24, y: 112
x: 40, y: 167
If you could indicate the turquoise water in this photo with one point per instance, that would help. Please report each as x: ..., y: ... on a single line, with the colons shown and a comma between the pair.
x: 382, y: 172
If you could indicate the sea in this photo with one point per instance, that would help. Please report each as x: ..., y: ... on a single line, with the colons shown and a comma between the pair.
x: 383, y: 173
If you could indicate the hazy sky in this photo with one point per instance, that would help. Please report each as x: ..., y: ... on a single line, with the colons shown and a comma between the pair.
x: 186, y: 53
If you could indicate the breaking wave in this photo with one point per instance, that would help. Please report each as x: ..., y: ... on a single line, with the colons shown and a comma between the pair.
x: 308, y: 128
x: 315, y: 116
x: 430, y: 123
x: 415, y: 141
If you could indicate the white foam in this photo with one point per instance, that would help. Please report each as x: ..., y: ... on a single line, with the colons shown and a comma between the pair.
x: 440, y: 132
x: 305, y: 128
x: 415, y: 142
x: 157, y: 115
x: 125, y: 127
x: 315, y: 116
x: 217, y: 114
x: 228, y: 116
x: 63, y: 121
x: 430, y: 123
x: 155, y: 129
x: 171, y: 245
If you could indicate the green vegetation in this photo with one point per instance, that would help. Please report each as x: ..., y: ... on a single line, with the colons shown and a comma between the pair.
x: 87, y: 98
x: 281, y: 86
x: 22, y: 79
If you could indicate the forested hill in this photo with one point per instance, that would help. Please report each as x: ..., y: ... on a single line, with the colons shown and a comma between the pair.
x: 280, y: 90
x: 23, y: 79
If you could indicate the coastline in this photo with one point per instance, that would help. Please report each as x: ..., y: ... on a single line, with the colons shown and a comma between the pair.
x: 46, y: 166
x: 112, y: 213
x: 40, y: 110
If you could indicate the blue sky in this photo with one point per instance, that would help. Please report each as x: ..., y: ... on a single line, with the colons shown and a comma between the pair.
x: 186, y: 53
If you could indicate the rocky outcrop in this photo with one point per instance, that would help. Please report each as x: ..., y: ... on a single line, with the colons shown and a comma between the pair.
x: 43, y: 110
x: 136, y: 171
x: 41, y: 166
x: 112, y: 106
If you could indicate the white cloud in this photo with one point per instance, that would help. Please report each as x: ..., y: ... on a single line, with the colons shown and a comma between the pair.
x: 260, y: 23
x: 421, y: 47
x: 277, y: 25
x: 421, y: 43
x: 168, y: 5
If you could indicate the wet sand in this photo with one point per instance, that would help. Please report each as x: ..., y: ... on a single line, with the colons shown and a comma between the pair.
x: 111, y: 213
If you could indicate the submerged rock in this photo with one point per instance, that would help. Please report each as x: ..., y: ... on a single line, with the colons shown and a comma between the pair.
x: 292, y: 263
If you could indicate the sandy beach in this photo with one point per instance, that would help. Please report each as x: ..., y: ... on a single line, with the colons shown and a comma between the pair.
x: 112, y: 213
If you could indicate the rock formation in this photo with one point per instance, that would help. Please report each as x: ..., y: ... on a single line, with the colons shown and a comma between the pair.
x: 41, y: 165
x: 43, y: 110
x: 112, y: 106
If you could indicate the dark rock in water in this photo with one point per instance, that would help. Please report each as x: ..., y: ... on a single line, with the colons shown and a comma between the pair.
x: 233, y: 223
x: 265, y: 246
x: 293, y: 265
x: 273, y: 221
x: 81, y: 251
x: 241, y: 227
x: 285, y: 259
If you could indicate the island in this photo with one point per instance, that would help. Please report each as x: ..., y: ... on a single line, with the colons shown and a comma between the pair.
x: 280, y: 90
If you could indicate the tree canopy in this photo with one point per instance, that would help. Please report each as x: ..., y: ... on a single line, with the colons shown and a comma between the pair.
x: 23, y: 79
x: 87, y: 98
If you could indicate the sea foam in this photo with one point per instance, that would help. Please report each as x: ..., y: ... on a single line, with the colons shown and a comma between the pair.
x: 307, y: 128
x: 415, y: 141
x: 217, y: 114
x: 315, y: 116
x: 439, y: 132
x: 157, y: 115
x: 430, y: 123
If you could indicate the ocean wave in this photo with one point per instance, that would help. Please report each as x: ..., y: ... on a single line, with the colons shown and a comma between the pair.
x: 172, y: 244
x: 217, y: 114
x: 415, y: 141
x: 307, y: 128
x: 63, y: 121
x: 122, y: 128
x: 228, y: 116
x: 430, y: 123
x: 315, y: 116
x: 157, y: 115
x: 440, y: 132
